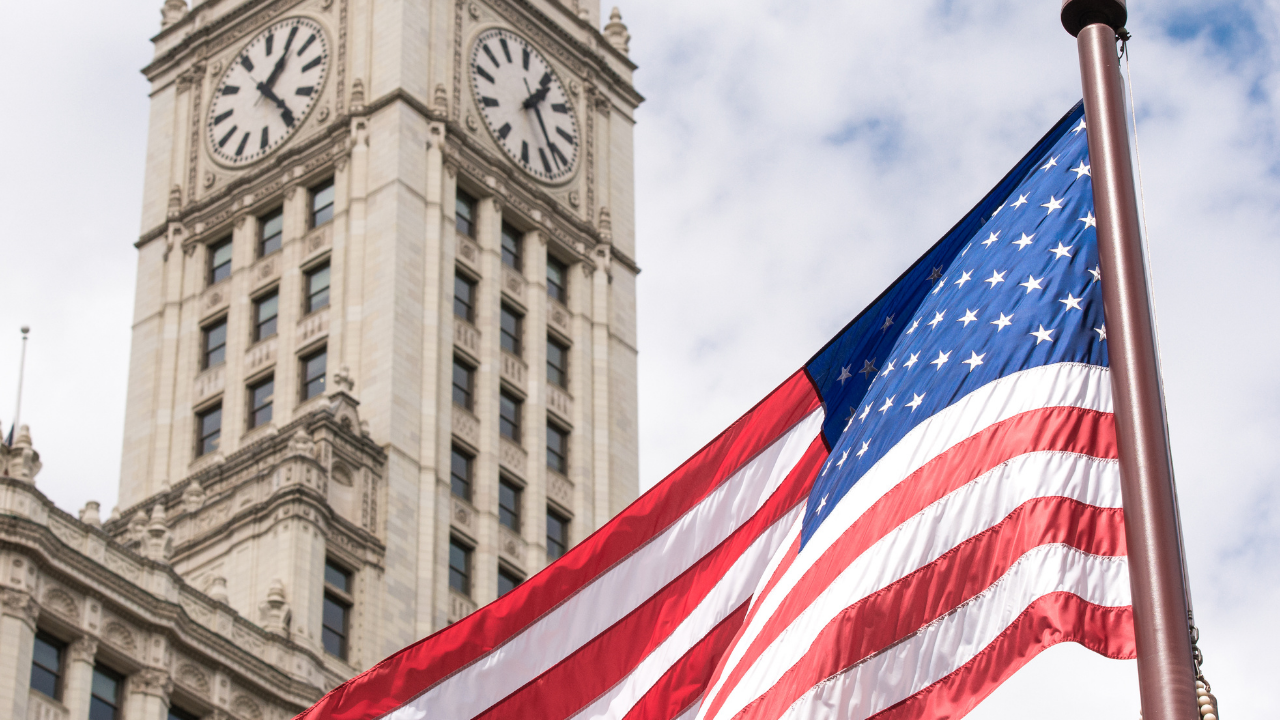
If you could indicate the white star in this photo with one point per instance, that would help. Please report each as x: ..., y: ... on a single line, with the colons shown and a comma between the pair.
x: 865, y: 412
x: 888, y: 403
x: 994, y: 237
x: 1042, y: 335
x: 937, y: 318
x: 937, y: 273
x: 915, y: 402
x: 914, y: 325
x: 996, y: 277
x: 966, y: 249
x: 843, y: 457
x: 844, y: 374
x: 1089, y: 220
x: 1052, y: 161
x: 1022, y: 200
x: 1004, y: 322
x: 1102, y: 332
x: 865, y: 445
x: 941, y: 284
x: 964, y: 278
x: 868, y: 368
x: 911, y: 361
x: 974, y: 360
x: 941, y: 359
x: 1072, y: 303
x: 1062, y: 251
x: 823, y: 502
x: 887, y: 322
x: 968, y: 317
x: 853, y: 413
x: 1024, y: 241
x: 1031, y: 284
x: 1080, y: 171
x: 1076, y: 130
x: 1096, y: 272
x: 1053, y: 204
x: 888, y: 368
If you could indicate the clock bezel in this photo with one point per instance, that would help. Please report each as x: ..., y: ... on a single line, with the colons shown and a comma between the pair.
x: 556, y: 74
x: 230, y: 59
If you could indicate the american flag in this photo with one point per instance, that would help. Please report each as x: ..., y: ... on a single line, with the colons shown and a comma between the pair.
x: 901, y: 525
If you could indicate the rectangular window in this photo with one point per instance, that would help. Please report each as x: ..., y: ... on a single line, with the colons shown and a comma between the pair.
x: 463, y: 384
x: 509, y: 504
x: 510, y: 330
x: 460, y: 474
x: 322, y: 203
x: 465, y: 212
x: 557, y: 449
x: 459, y: 567
x: 557, y: 364
x: 557, y: 534
x: 507, y: 581
x: 265, y: 311
x: 104, y: 703
x: 464, y: 298
x: 512, y: 247
x: 46, y: 665
x: 270, y: 232
x: 313, y: 368
x: 336, y: 613
x: 219, y: 261
x: 557, y: 280
x: 509, y: 417
x: 318, y: 288
x: 215, y: 343
x: 260, y: 397
x: 209, y: 430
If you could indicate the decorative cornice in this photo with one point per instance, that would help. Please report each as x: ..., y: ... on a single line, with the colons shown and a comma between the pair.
x: 19, y: 604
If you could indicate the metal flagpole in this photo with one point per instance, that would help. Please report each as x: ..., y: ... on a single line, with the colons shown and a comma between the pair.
x: 1166, y: 675
x: 22, y: 366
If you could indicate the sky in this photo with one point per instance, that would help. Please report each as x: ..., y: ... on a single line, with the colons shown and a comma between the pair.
x: 792, y: 158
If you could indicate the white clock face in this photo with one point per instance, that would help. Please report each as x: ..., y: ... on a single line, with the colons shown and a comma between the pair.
x: 267, y: 91
x: 524, y: 105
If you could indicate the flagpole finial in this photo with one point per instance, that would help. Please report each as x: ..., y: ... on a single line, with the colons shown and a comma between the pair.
x: 1076, y: 14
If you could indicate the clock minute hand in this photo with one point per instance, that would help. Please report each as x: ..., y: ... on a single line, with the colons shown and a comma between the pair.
x: 546, y: 137
x: 285, y: 112
x: 284, y: 56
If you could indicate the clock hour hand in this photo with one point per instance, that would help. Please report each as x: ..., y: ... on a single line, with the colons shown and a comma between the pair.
x: 285, y: 112
x: 546, y: 137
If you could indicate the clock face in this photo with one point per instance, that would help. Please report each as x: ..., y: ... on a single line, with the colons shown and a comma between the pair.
x: 267, y: 91
x: 524, y: 105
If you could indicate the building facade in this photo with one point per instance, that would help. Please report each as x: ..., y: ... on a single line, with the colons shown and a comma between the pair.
x: 383, y: 362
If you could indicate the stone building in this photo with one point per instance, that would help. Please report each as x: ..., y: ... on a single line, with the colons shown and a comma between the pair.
x: 383, y: 358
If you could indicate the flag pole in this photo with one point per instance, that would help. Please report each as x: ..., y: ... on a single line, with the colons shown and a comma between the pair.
x: 1166, y: 674
x: 22, y: 366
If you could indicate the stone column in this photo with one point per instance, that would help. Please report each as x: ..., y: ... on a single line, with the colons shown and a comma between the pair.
x: 77, y: 680
x: 148, y: 695
x: 18, y: 613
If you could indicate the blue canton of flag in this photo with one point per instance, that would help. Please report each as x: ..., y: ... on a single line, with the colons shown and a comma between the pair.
x: 1015, y: 285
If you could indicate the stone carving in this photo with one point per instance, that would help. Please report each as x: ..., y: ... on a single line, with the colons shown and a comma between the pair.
x: 473, y: 10
x: 151, y: 681
x: 61, y: 602
x: 84, y: 649
x: 511, y: 545
x: 175, y: 202
x: 558, y: 316
x: 606, y: 224
x: 20, y: 461
x: 560, y: 489
x: 313, y: 326
x: 243, y: 707
x: 513, y: 370
x: 19, y: 604
x: 357, y: 96
x: 193, y: 678
x: 302, y: 444
x: 115, y: 633
x: 209, y: 179
x: 342, y: 380
x: 466, y: 337
x: 468, y: 250
x: 274, y: 613
x: 158, y: 544
x: 440, y: 98
x: 512, y: 457
x: 574, y: 200
x: 460, y: 607
x: 616, y: 33
x: 466, y: 427
x: 559, y: 402
x: 89, y: 514
x: 463, y: 516
x: 472, y: 124
x: 193, y: 497
x: 217, y: 589
x: 172, y: 12
x: 513, y: 283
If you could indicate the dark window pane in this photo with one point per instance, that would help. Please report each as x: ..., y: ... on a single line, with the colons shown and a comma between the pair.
x: 334, y: 626
x: 318, y: 289
x: 337, y: 577
x: 322, y: 203
x: 459, y: 568
x: 460, y: 475
x: 105, y: 700
x: 46, y: 664
x: 464, y: 293
x: 44, y: 681
x: 466, y: 214
x: 557, y: 535
x: 509, y: 417
x: 510, y: 339
x: 266, y: 310
x: 219, y: 261
x: 272, y: 232
x: 313, y: 369
x: 215, y: 344
x: 557, y: 277
x: 260, y: 396
x: 557, y: 449
x: 463, y: 377
x: 507, y: 582
x: 557, y: 364
x: 509, y: 505
x: 100, y: 709
x: 210, y: 431
x: 511, y: 247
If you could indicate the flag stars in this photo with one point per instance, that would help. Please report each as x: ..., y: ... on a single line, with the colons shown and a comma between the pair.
x: 996, y: 211
x: 969, y: 317
x: 1002, y: 323
x: 1031, y: 284
x: 1096, y: 272
x: 868, y: 368
x: 823, y: 502
x: 1102, y: 332
x: 914, y: 325
x: 843, y: 457
x: 865, y: 412
x: 964, y: 278
x: 853, y: 415
x: 1089, y: 220
x: 992, y: 238
x: 888, y: 368
x: 1076, y: 130
x: 1053, y: 204
x: 888, y: 403
x: 941, y: 284
x: 911, y: 360
x: 1053, y: 161
x: 1081, y: 170
x: 1024, y: 241
x: 937, y: 273
x: 1022, y: 200
x: 974, y: 360
x: 996, y: 278
x: 941, y: 359
x: 1042, y: 335
x: 844, y: 374
x: 1072, y: 303
x: 863, y: 450
x: 937, y: 318
x: 887, y: 322
x: 915, y: 401
x: 1062, y: 251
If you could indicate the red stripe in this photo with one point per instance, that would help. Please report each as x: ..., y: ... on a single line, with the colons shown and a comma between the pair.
x: 1051, y: 619
x: 410, y: 672
x: 689, y: 677
x: 1060, y: 428
x: 610, y: 656
x: 900, y: 609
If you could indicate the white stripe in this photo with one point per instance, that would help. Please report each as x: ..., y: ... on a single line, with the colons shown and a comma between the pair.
x: 733, y: 589
x: 949, y: 642
x: 967, y: 511
x: 618, y: 591
x: 1058, y: 385
x: 690, y: 712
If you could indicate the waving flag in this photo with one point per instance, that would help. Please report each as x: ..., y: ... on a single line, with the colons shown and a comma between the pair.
x: 901, y: 525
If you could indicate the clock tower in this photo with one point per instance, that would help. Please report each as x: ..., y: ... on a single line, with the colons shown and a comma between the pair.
x: 384, y: 350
